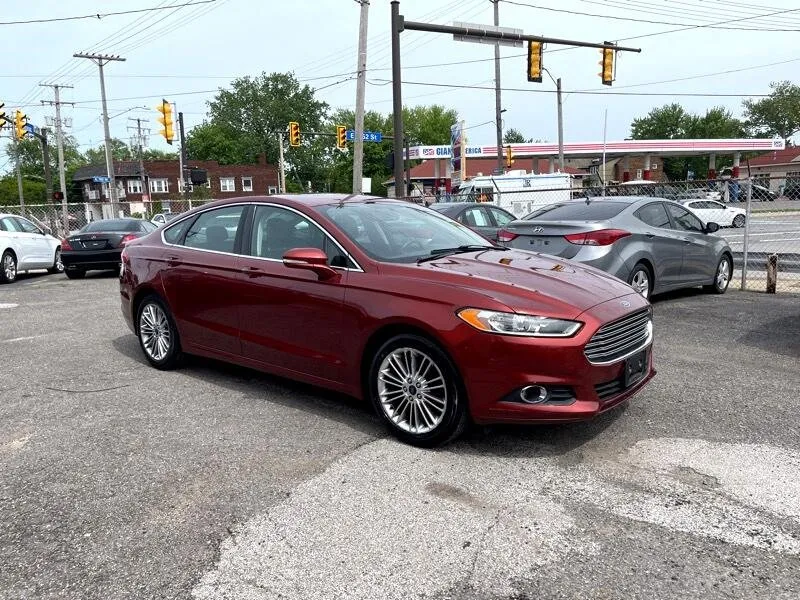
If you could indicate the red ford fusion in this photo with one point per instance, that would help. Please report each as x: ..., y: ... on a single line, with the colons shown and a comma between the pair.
x: 392, y: 303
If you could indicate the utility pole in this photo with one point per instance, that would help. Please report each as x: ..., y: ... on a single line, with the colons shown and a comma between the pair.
x: 101, y: 60
x: 282, y: 172
x: 62, y: 179
x: 397, y: 104
x: 48, y: 176
x: 184, y: 155
x: 361, y: 82
x: 497, y: 101
x: 560, y: 127
x: 140, y: 143
x: 19, y: 175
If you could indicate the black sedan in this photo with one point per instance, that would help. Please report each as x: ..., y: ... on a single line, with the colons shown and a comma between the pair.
x: 99, y: 244
x: 482, y: 218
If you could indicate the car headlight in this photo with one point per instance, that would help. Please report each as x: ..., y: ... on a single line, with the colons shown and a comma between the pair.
x: 517, y: 324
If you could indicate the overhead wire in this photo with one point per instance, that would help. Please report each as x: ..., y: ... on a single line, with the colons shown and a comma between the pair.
x: 99, y: 16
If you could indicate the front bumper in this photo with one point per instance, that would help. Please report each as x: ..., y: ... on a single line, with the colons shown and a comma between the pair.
x: 496, y: 367
x: 91, y: 259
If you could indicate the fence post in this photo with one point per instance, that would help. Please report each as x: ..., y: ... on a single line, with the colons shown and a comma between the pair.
x: 772, y: 273
x: 746, y: 232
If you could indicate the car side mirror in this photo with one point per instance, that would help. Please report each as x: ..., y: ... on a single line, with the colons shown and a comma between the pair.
x: 310, y: 259
x: 712, y: 227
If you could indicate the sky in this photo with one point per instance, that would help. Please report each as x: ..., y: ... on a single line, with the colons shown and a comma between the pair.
x: 185, y: 54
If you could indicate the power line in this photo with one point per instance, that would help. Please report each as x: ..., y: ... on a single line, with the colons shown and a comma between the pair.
x: 635, y: 20
x: 104, y: 15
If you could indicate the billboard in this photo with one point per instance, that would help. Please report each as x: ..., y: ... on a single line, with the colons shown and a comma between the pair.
x: 458, y: 159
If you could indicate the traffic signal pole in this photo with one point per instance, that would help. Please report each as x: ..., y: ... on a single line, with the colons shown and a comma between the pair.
x: 498, y: 115
x: 19, y: 177
x: 100, y: 60
x: 361, y: 82
x: 62, y: 178
x: 282, y: 171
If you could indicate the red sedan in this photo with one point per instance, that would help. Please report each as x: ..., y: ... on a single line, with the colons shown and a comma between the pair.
x: 391, y: 302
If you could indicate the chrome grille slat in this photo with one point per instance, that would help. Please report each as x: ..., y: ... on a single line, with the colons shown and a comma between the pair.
x: 620, y: 339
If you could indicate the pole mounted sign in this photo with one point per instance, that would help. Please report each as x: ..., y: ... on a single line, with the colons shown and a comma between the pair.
x: 369, y: 136
x: 480, y: 38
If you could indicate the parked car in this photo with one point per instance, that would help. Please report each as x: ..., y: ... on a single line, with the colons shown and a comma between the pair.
x: 717, y: 212
x: 482, y: 218
x: 761, y: 194
x: 161, y: 219
x: 25, y: 247
x: 654, y: 244
x: 98, y: 245
x: 792, y: 190
x: 392, y: 302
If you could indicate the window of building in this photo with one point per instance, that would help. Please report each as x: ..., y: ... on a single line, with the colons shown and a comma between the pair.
x: 180, y: 186
x: 134, y: 186
x: 159, y: 186
x: 272, y: 190
x: 247, y: 184
x: 227, y: 184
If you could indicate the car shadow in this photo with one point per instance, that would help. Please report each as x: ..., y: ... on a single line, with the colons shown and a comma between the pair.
x: 678, y: 295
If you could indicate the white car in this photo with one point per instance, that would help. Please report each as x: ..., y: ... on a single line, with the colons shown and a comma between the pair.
x: 711, y: 211
x: 25, y: 247
x: 162, y: 219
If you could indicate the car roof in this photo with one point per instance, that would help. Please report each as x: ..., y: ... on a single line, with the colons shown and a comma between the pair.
x: 308, y: 199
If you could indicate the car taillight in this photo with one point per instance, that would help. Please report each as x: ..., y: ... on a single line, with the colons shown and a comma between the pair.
x: 65, y: 245
x: 127, y: 238
x: 603, y: 237
x: 506, y: 236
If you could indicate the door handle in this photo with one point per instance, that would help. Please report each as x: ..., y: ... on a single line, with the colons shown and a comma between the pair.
x: 650, y: 234
x: 173, y: 261
x: 252, y: 271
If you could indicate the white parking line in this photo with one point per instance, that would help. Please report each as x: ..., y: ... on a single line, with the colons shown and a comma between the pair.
x: 8, y: 305
x: 23, y: 339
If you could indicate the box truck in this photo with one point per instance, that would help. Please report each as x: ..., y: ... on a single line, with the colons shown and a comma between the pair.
x: 518, y: 192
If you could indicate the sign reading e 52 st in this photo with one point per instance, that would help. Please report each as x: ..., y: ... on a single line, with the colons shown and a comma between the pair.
x: 369, y: 136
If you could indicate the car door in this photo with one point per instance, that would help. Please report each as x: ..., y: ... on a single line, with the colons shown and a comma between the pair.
x: 290, y: 318
x: 12, y: 234
x: 500, y: 217
x: 711, y: 211
x: 699, y: 257
x: 200, y: 274
x: 478, y: 219
x: 42, y: 254
x: 664, y: 244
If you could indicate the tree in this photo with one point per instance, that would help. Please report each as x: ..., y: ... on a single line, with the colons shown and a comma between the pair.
x: 376, y: 165
x: 428, y: 125
x: 245, y: 120
x: 35, y: 191
x: 32, y: 162
x: 672, y: 121
x: 514, y: 136
x: 155, y: 154
x: 119, y: 151
x: 779, y: 114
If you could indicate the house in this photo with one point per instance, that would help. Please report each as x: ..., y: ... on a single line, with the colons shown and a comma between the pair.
x: 774, y: 169
x: 425, y: 179
x: 161, y: 183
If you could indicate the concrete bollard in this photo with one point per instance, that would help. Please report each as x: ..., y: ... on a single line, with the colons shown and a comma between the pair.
x: 772, y: 273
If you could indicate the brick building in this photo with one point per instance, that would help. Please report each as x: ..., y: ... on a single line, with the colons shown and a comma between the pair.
x: 162, y: 182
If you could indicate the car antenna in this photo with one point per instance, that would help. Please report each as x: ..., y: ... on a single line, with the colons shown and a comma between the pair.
x: 348, y: 197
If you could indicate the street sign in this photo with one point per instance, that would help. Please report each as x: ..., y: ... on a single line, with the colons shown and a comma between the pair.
x: 369, y: 136
x: 479, y: 39
x: 100, y: 179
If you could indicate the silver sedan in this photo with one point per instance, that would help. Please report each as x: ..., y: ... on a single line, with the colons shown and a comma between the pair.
x: 654, y: 244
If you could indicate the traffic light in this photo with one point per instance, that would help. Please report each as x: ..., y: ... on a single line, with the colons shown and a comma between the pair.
x: 607, y: 65
x: 20, y: 120
x: 509, y: 156
x: 535, y: 62
x: 3, y: 117
x: 294, y: 134
x: 167, y: 121
x: 341, y: 136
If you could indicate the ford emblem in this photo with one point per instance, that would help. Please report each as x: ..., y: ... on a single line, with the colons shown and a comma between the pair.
x: 625, y: 304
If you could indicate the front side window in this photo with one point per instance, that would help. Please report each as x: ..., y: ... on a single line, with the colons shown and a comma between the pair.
x: 653, y: 214
x: 247, y: 184
x: 159, y: 186
x: 227, y: 184
x: 27, y: 226
x: 501, y: 218
x: 215, y: 229
x: 684, y: 220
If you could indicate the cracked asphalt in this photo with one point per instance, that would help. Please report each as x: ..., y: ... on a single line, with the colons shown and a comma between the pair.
x: 215, y: 482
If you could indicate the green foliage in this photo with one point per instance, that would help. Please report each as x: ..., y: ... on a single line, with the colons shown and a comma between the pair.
x: 156, y: 154
x: 672, y: 121
x: 514, y: 136
x: 119, y: 151
x: 428, y: 125
x: 35, y: 192
x: 779, y: 114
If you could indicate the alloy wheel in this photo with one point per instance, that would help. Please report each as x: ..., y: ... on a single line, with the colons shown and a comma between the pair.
x: 641, y: 283
x: 412, y: 390
x: 738, y: 221
x: 9, y: 267
x: 59, y: 264
x: 155, y: 332
x: 723, y: 274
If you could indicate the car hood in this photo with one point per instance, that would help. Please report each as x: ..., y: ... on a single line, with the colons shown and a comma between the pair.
x: 528, y: 281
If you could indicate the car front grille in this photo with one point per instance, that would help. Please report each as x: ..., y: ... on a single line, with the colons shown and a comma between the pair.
x: 620, y: 339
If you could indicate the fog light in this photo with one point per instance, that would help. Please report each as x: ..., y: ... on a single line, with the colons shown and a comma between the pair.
x: 534, y: 394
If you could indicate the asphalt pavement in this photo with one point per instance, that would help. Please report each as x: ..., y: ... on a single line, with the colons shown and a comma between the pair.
x: 215, y: 482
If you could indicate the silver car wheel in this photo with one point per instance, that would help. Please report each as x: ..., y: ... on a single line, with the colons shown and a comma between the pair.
x: 412, y: 390
x: 59, y: 265
x: 641, y: 283
x: 738, y: 221
x: 155, y: 332
x: 723, y: 274
x: 9, y: 267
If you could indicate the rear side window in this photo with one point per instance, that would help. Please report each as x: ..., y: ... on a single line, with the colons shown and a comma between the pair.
x: 597, y: 210
x: 174, y: 234
x: 653, y: 214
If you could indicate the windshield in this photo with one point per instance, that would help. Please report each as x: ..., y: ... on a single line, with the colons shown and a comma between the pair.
x: 399, y: 233
x: 599, y: 210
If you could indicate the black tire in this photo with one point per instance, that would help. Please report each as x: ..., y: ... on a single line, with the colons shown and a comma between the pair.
x: 155, y: 308
x: 75, y: 273
x: 8, y: 267
x: 58, y: 266
x: 720, y: 285
x: 635, y: 279
x: 452, y: 418
x: 738, y: 221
